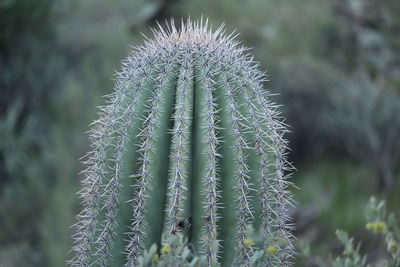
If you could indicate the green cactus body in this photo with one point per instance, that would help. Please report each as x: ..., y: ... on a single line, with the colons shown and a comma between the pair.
x: 188, y: 145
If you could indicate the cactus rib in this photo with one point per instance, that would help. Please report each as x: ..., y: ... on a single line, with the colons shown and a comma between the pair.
x: 180, y: 152
x: 145, y: 174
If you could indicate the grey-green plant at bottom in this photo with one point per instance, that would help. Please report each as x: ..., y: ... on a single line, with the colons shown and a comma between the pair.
x: 176, y: 253
x: 380, y: 223
x: 179, y: 253
x: 188, y: 146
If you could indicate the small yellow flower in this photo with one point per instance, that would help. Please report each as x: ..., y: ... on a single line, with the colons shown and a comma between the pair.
x: 166, y: 249
x: 155, y: 258
x: 377, y: 227
x: 271, y: 250
x: 248, y: 242
x: 392, y: 246
x: 381, y: 227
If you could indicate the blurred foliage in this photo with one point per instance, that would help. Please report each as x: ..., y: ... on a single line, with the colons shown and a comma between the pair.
x: 334, y: 63
x: 385, y: 249
x: 351, y: 253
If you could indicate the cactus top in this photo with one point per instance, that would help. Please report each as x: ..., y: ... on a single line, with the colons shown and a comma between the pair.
x: 188, y: 146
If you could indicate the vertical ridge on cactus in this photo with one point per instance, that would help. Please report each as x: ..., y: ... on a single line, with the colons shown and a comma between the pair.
x: 180, y: 150
x: 207, y: 124
x: 188, y: 146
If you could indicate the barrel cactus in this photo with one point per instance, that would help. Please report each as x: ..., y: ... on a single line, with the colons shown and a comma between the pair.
x: 188, y: 145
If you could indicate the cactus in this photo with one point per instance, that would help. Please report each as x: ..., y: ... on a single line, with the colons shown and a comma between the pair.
x: 187, y: 146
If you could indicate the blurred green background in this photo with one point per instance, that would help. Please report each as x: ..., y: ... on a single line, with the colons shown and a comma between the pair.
x: 334, y: 64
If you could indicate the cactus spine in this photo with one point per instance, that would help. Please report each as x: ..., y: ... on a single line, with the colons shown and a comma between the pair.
x: 188, y: 145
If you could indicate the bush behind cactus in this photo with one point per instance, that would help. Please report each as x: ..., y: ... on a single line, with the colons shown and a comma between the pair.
x: 187, y: 146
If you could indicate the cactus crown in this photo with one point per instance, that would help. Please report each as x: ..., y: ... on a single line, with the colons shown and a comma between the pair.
x: 187, y: 146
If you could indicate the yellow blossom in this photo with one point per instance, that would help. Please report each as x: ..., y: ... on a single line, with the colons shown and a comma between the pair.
x: 248, y: 242
x: 166, y: 249
x: 271, y: 250
x: 155, y: 258
x: 377, y: 227
x: 392, y: 246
